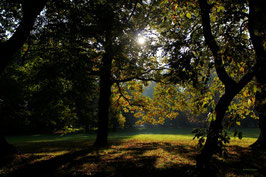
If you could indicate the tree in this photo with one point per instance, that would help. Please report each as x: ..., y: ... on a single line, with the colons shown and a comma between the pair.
x: 122, y: 60
x: 225, y: 33
x: 30, y: 10
x: 232, y: 88
x: 257, y: 32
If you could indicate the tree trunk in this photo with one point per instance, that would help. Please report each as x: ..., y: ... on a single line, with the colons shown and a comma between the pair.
x: 6, y: 149
x: 104, y: 100
x: 231, y: 89
x: 211, y: 146
x: 10, y: 47
x: 257, y: 30
x: 260, y: 107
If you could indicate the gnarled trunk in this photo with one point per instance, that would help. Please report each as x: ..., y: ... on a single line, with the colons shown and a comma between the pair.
x: 232, y: 88
x: 257, y: 30
x: 216, y: 127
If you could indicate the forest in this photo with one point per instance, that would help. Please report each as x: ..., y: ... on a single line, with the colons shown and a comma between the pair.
x: 132, y: 87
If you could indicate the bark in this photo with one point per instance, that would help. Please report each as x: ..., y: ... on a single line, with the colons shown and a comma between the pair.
x: 260, y: 107
x: 211, y: 145
x: 104, y: 103
x: 8, y: 48
x: 257, y: 30
x: 232, y: 88
x: 105, y: 95
x: 30, y: 9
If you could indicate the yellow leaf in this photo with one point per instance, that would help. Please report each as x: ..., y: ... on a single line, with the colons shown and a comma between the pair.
x: 188, y: 15
x: 249, y: 102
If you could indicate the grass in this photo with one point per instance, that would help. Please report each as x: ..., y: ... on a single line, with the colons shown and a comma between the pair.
x: 162, y: 152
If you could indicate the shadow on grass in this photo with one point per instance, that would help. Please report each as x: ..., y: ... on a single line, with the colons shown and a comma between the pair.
x: 245, y: 161
x: 74, y: 156
x: 134, y: 159
x: 116, y: 160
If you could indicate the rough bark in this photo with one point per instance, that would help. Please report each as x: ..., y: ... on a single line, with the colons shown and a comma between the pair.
x: 257, y: 30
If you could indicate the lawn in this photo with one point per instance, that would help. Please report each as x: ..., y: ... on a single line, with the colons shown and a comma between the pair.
x: 164, y: 152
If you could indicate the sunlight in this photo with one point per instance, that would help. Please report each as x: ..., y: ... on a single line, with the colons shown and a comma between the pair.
x: 141, y: 40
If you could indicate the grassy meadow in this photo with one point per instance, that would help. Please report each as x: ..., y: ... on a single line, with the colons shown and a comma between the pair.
x: 160, y: 152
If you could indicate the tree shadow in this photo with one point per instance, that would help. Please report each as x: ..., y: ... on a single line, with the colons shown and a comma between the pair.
x: 115, y: 160
x: 244, y: 161
x: 134, y: 158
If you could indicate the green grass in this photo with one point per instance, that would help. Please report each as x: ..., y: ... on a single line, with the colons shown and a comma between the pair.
x: 249, y: 134
x: 160, y: 152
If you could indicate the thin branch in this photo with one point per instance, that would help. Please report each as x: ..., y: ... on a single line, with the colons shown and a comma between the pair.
x: 138, y: 77
x: 127, y: 100
x: 121, y: 94
x: 133, y: 11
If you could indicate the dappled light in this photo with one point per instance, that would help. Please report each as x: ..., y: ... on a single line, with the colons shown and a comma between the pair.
x: 131, y: 156
x: 132, y: 88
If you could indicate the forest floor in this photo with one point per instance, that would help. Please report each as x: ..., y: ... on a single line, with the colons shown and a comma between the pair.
x: 145, y: 153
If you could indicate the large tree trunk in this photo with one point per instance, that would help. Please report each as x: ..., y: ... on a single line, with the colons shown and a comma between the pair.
x: 260, y: 107
x: 104, y: 100
x: 257, y: 30
x: 211, y: 146
x: 8, y: 48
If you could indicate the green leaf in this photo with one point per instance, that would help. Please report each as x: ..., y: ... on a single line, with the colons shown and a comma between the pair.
x: 238, y: 123
x: 213, y: 18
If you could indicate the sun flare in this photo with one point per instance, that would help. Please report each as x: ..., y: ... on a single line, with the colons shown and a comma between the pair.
x: 141, y: 40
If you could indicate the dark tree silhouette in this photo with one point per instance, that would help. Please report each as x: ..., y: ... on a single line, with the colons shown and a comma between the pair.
x: 30, y: 10
x: 257, y: 30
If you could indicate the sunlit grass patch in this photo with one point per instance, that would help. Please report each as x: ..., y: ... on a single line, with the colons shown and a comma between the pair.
x: 143, y: 153
x: 166, y: 159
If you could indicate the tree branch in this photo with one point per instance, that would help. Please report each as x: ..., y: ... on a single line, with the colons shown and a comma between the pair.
x: 122, y: 95
x: 210, y: 41
x: 134, y: 9
x: 10, y: 47
x: 138, y: 77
